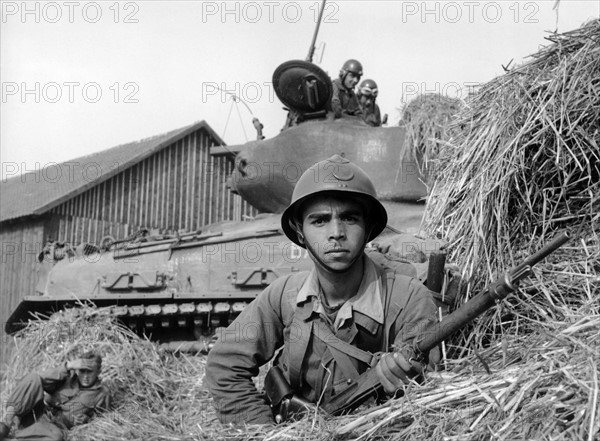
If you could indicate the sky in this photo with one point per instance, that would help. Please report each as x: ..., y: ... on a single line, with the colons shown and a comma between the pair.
x: 80, y: 77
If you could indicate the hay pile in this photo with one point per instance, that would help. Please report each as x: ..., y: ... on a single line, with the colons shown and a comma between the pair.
x: 427, y: 119
x: 156, y: 395
x: 534, y: 387
x: 528, y: 167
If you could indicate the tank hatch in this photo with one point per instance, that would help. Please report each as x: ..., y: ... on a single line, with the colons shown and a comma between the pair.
x: 302, y: 86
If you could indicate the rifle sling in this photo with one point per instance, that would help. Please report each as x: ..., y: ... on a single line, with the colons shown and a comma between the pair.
x: 298, y: 348
x: 341, y: 350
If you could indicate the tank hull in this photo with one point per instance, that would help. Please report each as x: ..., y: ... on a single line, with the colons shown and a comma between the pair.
x: 172, y: 288
x: 266, y: 171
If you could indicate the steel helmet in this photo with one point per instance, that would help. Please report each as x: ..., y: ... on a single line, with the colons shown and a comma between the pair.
x: 368, y: 88
x: 339, y: 175
x: 353, y: 66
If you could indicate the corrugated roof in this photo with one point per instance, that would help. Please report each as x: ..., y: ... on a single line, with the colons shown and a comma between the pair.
x: 36, y: 192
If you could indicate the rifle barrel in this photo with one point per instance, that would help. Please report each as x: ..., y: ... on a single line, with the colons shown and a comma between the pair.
x: 547, y: 249
x: 458, y: 319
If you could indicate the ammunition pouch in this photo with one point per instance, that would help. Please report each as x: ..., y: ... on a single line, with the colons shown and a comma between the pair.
x: 284, y: 405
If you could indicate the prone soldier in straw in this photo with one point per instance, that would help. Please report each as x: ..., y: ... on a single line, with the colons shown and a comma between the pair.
x: 333, y: 323
x: 49, y: 403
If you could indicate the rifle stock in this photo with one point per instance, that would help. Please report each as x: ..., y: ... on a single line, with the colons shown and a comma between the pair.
x: 368, y: 384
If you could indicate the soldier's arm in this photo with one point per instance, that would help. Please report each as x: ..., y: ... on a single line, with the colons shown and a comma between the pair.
x: 53, y: 378
x: 336, y: 103
x: 377, y: 116
x: 370, y: 118
x: 247, y: 344
x: 103, y: 401
x: 418, y: 313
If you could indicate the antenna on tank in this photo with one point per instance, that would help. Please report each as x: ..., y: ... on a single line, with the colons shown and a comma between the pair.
x: 311, y: 50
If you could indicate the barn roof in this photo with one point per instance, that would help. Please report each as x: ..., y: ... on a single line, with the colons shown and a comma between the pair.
x: 36, y: 192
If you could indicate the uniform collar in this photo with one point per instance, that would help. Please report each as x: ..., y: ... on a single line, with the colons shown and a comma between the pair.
x: 367, y: 300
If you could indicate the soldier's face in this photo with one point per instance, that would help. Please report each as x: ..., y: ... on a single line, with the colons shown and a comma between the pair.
x: 87, y: 377
x: 334, y: 230
x: 351, y: 80
x: 366, y: 101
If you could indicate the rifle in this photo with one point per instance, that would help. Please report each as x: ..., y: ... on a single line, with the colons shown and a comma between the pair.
x: 368, y: 384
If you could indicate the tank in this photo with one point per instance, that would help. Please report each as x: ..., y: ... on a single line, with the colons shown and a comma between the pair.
x: 174, y: 288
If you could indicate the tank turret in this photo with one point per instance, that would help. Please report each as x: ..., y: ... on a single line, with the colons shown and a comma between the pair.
x: 266, y: 171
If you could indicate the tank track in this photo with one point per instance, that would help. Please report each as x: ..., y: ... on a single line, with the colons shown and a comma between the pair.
x: 200, y: 317
x: 185, y: 327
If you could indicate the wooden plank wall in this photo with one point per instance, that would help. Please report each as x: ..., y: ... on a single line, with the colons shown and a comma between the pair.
x: 21, y: 243
x: 181, y: 187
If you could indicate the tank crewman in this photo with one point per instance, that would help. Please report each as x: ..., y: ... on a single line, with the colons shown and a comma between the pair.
x: 330, y: 321
x: 344, y: 101
x: 74, y: 395
x: 367, y: 95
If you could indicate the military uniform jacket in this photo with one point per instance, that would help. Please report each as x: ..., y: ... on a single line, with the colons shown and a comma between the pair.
x: 372, y: 115
x: 67, y: 401
x: 344, y: 101
x: 288, y: 315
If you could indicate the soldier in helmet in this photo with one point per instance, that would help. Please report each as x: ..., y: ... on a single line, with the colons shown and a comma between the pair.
x: 344, y: 101
x: 367, y: 95
x: 328, y: 322
x: 46, y: 405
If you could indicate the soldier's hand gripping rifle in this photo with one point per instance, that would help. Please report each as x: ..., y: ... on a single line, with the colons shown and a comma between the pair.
x: 368, y: 384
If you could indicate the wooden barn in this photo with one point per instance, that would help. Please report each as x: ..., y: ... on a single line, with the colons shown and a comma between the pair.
x: 170, y: 182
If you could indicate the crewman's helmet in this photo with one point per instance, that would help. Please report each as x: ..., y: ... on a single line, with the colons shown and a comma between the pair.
x: 368, y: 88
x: 353, y: 66
x: 339, y: 177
